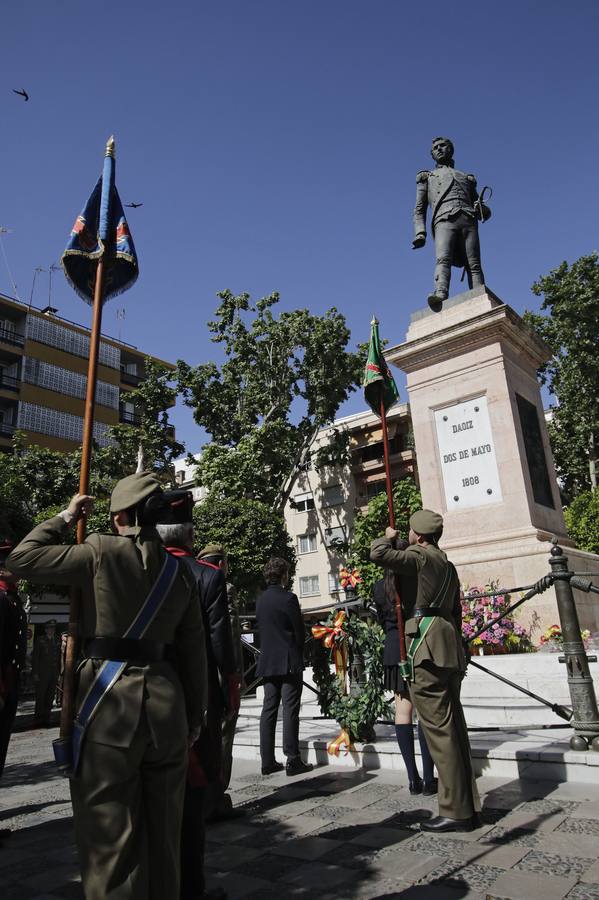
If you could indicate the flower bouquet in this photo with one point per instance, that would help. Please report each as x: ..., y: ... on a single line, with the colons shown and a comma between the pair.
x: 552, y: 640
x: 505, y: 636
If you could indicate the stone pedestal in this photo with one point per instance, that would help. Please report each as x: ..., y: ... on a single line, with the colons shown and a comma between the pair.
x: 484, y: 459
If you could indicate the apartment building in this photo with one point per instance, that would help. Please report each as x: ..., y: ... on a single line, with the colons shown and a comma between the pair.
x: 43, y: 376
x: 185, y: 477
x: 320, y: 513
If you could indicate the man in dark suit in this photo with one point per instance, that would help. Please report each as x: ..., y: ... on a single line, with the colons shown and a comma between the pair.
x: 455, y: 212
x: 280, y: 665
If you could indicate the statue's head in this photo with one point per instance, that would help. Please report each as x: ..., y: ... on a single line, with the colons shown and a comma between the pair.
x: 442, y: 150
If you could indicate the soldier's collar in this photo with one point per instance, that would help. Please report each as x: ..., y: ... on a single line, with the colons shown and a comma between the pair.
x: 131, y: 531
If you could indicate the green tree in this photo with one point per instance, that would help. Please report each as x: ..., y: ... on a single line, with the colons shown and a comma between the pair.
x: 372, y: 524
x: 36, y: 482
x: 582, y: 520
x: 251, y: 533
x: 571, y: 330
x: 283, y: 379
x: 152, y: 434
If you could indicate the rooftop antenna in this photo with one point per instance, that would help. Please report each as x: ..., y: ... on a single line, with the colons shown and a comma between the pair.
x: 120, y: 314
x: 36, y: 272
x: 51, y: 268
x: 4, y: 230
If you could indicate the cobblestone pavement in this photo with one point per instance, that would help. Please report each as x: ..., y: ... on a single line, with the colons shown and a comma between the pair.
x: 337, y: 833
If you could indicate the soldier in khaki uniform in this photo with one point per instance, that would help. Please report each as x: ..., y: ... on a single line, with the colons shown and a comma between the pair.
x: 430, y: 595
x: 128, y: 792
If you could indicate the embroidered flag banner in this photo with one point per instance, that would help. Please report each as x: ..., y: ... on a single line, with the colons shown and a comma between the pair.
x: 101, y: 230
x: 378, y: 380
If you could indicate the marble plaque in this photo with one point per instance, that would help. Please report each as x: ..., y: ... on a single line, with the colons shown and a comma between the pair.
x: 467, y: 455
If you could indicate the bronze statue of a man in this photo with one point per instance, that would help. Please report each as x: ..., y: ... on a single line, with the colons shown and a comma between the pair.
x: 456, y: 209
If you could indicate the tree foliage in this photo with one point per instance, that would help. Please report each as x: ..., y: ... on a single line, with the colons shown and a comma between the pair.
x: 36, y: 482
x: 372, y: 524
x: 152, y: 433
x: 582, y: 520
x: 283, y: 379
x: 251, y: 532
x: 571, y: 330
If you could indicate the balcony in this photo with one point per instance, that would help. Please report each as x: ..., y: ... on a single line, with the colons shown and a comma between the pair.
x: 7, y: 429
x: 11, y: 337
x: 9, y: 383
x: 130, y: 378
x: 129, y: 418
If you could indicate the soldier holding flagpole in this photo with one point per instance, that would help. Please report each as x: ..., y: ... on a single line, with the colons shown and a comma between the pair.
x: 135, y: 630
x: 431, y: 656
x: 380, y: 392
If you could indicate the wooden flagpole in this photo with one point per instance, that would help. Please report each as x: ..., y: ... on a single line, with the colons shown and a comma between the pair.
x: 398, y: 610
x: 68, y: 691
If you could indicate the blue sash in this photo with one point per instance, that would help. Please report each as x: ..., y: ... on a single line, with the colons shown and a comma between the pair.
x: 110, y: 670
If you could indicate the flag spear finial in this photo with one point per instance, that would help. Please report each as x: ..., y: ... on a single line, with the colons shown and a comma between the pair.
x: 110, y: 146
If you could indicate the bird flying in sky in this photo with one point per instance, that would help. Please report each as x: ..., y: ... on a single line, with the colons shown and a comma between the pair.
x: 133, y: 205
x: 22, y: 93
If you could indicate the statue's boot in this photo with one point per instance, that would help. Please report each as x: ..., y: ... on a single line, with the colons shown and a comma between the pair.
x: 435, y: 301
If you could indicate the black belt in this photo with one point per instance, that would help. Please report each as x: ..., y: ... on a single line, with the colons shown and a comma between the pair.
x: 142, y: 652
x: 421, y: 611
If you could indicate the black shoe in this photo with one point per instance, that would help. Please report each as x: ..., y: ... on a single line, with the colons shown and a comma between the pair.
x: 274, y: 767
x: 225, y: 814
x: 442, y: 823
x: 416, y: 786
x: 297, y: 767
x: 430, y: 787
x: 435, y: 301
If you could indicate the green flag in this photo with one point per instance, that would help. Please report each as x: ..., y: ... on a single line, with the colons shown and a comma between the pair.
x: 378, y: 380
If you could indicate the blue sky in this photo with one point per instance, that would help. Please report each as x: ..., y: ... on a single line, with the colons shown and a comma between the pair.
x: 274, y: 145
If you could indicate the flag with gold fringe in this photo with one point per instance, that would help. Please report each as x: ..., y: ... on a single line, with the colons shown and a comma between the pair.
x: 101, y: 230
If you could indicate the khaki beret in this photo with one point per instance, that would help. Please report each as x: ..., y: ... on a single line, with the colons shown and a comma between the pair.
x: 132, y: 490
x: 425, y: 521
x: 212, y: 550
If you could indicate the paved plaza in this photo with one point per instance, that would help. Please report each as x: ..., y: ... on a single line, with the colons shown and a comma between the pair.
x: 337, y: 833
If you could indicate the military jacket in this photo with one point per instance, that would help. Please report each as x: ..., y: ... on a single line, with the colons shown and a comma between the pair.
x: 433, y: 187
x: 115, y: 574
x: 13, y: 641
x: 426, y: 578
x: 233, y: 602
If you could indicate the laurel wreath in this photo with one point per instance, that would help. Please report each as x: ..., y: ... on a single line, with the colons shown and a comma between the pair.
x: 357, y: 711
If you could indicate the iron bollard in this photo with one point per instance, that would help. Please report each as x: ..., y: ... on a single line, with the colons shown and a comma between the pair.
x: 584, y: 703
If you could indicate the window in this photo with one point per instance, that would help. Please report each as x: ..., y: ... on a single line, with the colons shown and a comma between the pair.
x: 64, y: 381
x: 334, y: 536
x: 303, y: 502
x: 308, y: 586
x: 374, y: 488
x: 376, y: 450
x: 334, y: 585
x: 69, y: 340
x: 306, y: 543
x: 332, y: 495
x: 44, y: 420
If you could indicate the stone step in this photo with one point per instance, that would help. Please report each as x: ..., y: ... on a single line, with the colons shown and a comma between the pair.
x: 506, y: 752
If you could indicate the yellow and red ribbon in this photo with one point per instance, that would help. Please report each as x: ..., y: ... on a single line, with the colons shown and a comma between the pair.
x: 334, y: 639
x: 334, y: 747
x: 349, y: 578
